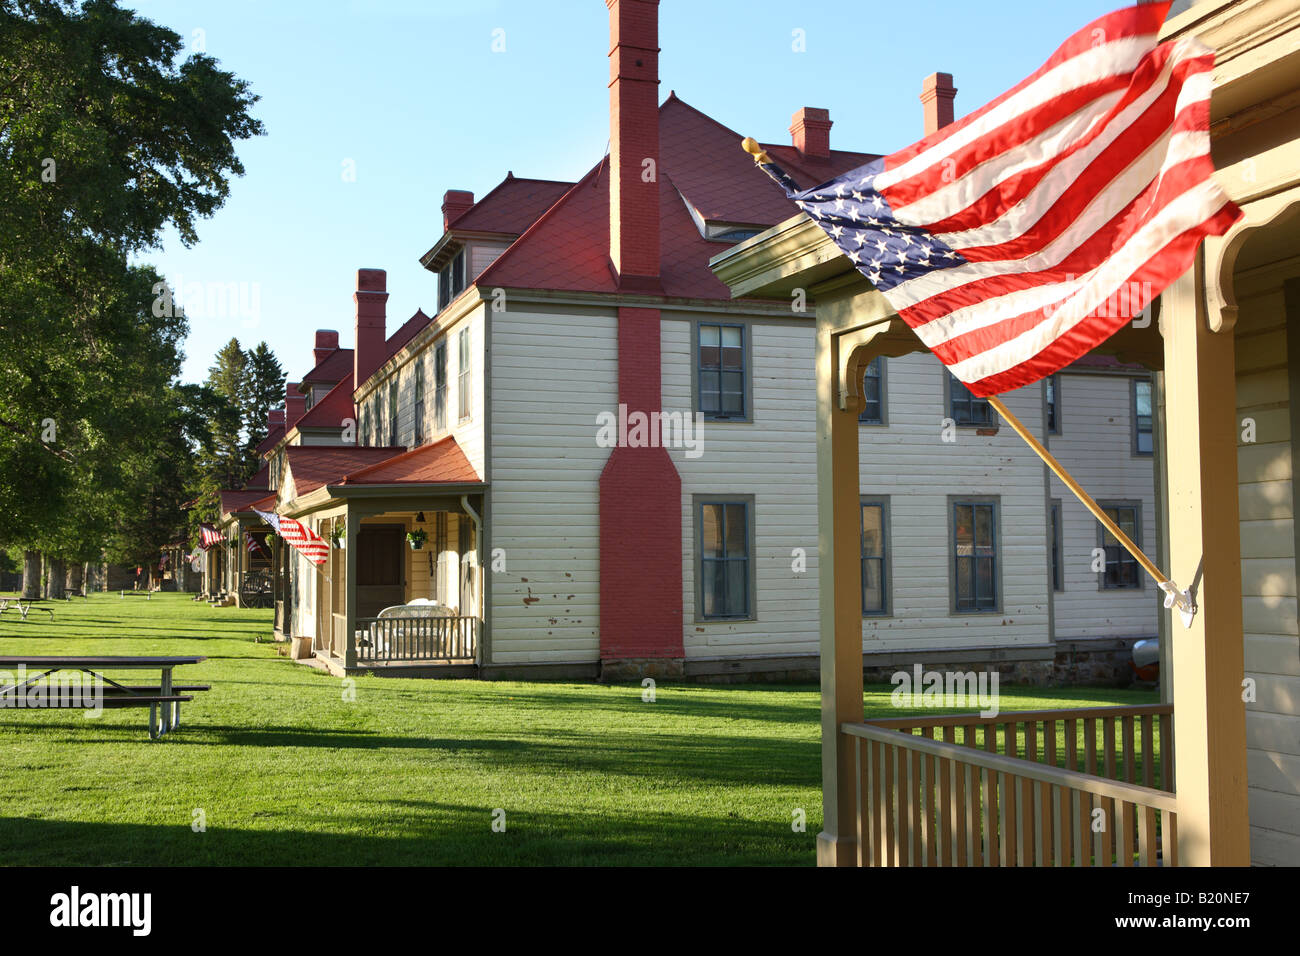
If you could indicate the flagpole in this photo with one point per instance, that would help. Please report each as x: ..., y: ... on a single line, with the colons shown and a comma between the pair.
x: 1175, y: 596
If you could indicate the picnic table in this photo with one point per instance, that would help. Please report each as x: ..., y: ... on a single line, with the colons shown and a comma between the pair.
x: 24, y: 606
x: 163, y: 699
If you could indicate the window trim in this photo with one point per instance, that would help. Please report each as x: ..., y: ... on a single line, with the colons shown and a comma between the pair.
x: 464, y: 369
x: 393, y: 436
x: 1136, y: 505
x: 953, y: 502
x: 417, y: 404
x: 440, y: 387
x: 883, y: 421
x: 1133, y: 417
x: 746, y: 356
x: 948, y: 380
x: 886, y: 565
x: 1056, y: 539
x: 697, y: 512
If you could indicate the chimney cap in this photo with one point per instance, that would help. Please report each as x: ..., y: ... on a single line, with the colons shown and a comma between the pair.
x: 372, y: 280
x: 938, y: 84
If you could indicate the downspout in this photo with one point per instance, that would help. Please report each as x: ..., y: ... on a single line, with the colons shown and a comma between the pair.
x: 478, y: 550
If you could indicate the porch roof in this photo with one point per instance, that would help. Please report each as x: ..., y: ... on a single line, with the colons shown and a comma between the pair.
x: 233, y: 502
x: 442, y: 462
x: 312, y: 466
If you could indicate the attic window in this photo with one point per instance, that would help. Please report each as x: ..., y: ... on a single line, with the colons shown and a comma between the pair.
x: 735, y: 235
x: 451, y: 280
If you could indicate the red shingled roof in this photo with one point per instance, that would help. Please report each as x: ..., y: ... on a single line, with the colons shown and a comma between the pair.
x: 314, y: 465
x: 701, y: 163
x: 233, y: 501
x: 269, y: 442
x: 404, y: 334
x: 330, y: 411
x: 441, y: 462
x: 512, y: 206
x: 260, y: 481
x: 331, y: 369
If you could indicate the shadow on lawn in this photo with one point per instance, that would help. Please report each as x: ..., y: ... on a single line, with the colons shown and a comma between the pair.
x: 419, y: 833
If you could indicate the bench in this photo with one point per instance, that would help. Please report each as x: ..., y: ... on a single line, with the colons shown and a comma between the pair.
x: 24, y: 606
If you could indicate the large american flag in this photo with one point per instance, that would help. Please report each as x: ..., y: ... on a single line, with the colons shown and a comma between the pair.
x: 311, y: 545
x: 208, y: 536
x: 1025, y: 234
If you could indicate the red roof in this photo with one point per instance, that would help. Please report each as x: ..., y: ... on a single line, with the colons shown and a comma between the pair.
x: 269, y: 442
x: 260, y: 481
x: 233, y: 501
x: 511, y: 207
x: 441, y: 462
x: 404, y: 334
x: 330, y: 411
x: 329, y: 370
x: 314, y: 465
x: 701, y: 164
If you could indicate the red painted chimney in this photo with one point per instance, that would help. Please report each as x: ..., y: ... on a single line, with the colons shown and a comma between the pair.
x: 327, y: 341
x: 810, y: 131
x: 295, y: 405
x: 937, y: 94
x: 634, y: 141
x: 370, y: 297
x: 455, y: 203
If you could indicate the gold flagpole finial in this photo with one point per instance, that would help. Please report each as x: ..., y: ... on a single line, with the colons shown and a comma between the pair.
x: 750, y: 145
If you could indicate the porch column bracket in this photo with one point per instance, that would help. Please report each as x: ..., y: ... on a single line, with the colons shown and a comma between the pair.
x: 1221, y: 255
x: 855, y: 349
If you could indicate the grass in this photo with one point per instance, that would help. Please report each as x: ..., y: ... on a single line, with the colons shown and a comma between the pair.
x: 288, y: 772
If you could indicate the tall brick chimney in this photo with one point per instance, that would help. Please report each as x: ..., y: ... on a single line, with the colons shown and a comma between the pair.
x: 295, y: 405
x: 937, y: 93
x: 640, y: 490
x: 634, y: 141
x: 371, y: 297
x: 810, y: 131
x: 455, y: 203
x: 327, y: 341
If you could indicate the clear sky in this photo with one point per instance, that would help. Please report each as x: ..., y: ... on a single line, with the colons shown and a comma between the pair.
x: 413, y: 95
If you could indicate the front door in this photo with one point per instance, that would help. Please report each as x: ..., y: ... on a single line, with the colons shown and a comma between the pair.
x: 381, y: 569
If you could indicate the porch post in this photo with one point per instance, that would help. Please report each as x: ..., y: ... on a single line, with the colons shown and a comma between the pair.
x: 1208, y: 667
x: 839, y: 599
x: 350, y: 584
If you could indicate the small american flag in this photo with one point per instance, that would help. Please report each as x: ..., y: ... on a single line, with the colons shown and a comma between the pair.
x: 312, y: 546
x: 208, y: 536
x: 254, y: 545
x: 1022, y: 236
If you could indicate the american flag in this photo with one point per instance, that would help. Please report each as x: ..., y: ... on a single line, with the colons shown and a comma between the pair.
x: 312, y: 546
x: 253, y: 544
x: 208, y: 536
x: 1027, y: 233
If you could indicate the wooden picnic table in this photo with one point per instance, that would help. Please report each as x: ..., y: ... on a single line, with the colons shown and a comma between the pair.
x: 163, y: 699
x: 24, y: 606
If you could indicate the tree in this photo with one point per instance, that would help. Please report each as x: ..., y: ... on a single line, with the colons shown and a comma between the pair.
x: 228, y: 379
x: 265, y: 391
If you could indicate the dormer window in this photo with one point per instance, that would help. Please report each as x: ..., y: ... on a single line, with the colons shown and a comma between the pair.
x: 451, y: 280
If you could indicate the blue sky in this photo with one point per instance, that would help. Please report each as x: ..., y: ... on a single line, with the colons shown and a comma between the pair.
x: 412, y: 93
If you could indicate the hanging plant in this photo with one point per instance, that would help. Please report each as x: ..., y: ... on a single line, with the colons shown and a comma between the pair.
x: 339, y: 536
x: 417, y: 538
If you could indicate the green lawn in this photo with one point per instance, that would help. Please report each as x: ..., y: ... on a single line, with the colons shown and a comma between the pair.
x: 286, y: 771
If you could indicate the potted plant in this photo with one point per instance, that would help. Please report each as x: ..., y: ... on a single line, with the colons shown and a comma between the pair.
x: 339, y: 536
x: 416, y: 538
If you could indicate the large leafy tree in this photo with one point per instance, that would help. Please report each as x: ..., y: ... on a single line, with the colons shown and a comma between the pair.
x: 107, y: 138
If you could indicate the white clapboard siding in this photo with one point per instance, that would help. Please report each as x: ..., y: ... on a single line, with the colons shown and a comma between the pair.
x: 1268, y: 579
x: 773, y: 458
x: 552, y: 375
x: 1095, y: 446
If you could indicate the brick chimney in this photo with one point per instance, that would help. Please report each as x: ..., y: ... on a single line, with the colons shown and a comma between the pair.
x: 937, y: 94
x: 274, y: 419
x: 634, y: 141
x: 295, y: 405
x: 371, y: 297
x: 810, y: 131
x: 455, y: 203
x: 327, y: 341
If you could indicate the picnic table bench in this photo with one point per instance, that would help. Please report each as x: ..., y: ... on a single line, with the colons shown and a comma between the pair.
x: 24, y: 606
x: 163, y: 699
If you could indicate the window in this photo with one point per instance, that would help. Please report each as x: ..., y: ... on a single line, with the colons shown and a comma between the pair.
x: 451, y: 280
x: 417, y: 438
x: 1143, y: 437
x: 873, y: 393
x: 875, y: 568
x: 1122, y: 570
x: 965, y: 409
x: 724, y: 567
x: 365, y: 425
x: 392, y: 413
x: 1053, y: 387
x: 463, y: 380
x: 1054, y: 530
x: 975, y: 555
x: 440, y: 387
x: 439, y: 549
x: 720, y: 363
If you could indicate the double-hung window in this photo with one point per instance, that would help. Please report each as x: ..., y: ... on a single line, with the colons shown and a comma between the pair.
x: 440, y: 387
x: 417, y: 404
x: 725, y: 565
x: 875, y: 547
x: 873, y: 393
x: 720, y: 372
x: 965, y: 409
x: 1053, y: 388
x: 392, y: 413
x: 1054, y: 531
x: 975, y: 555
x: 463, y: 408
x: 1121, y: 570
x: 1143, y: 435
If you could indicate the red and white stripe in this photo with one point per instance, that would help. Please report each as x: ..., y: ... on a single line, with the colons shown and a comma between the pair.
x: 311, y: 545
x: 1087, y: 184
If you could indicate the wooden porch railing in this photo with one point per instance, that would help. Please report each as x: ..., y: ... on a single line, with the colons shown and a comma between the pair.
x: 1064, y: 790
x: 417, y: 638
